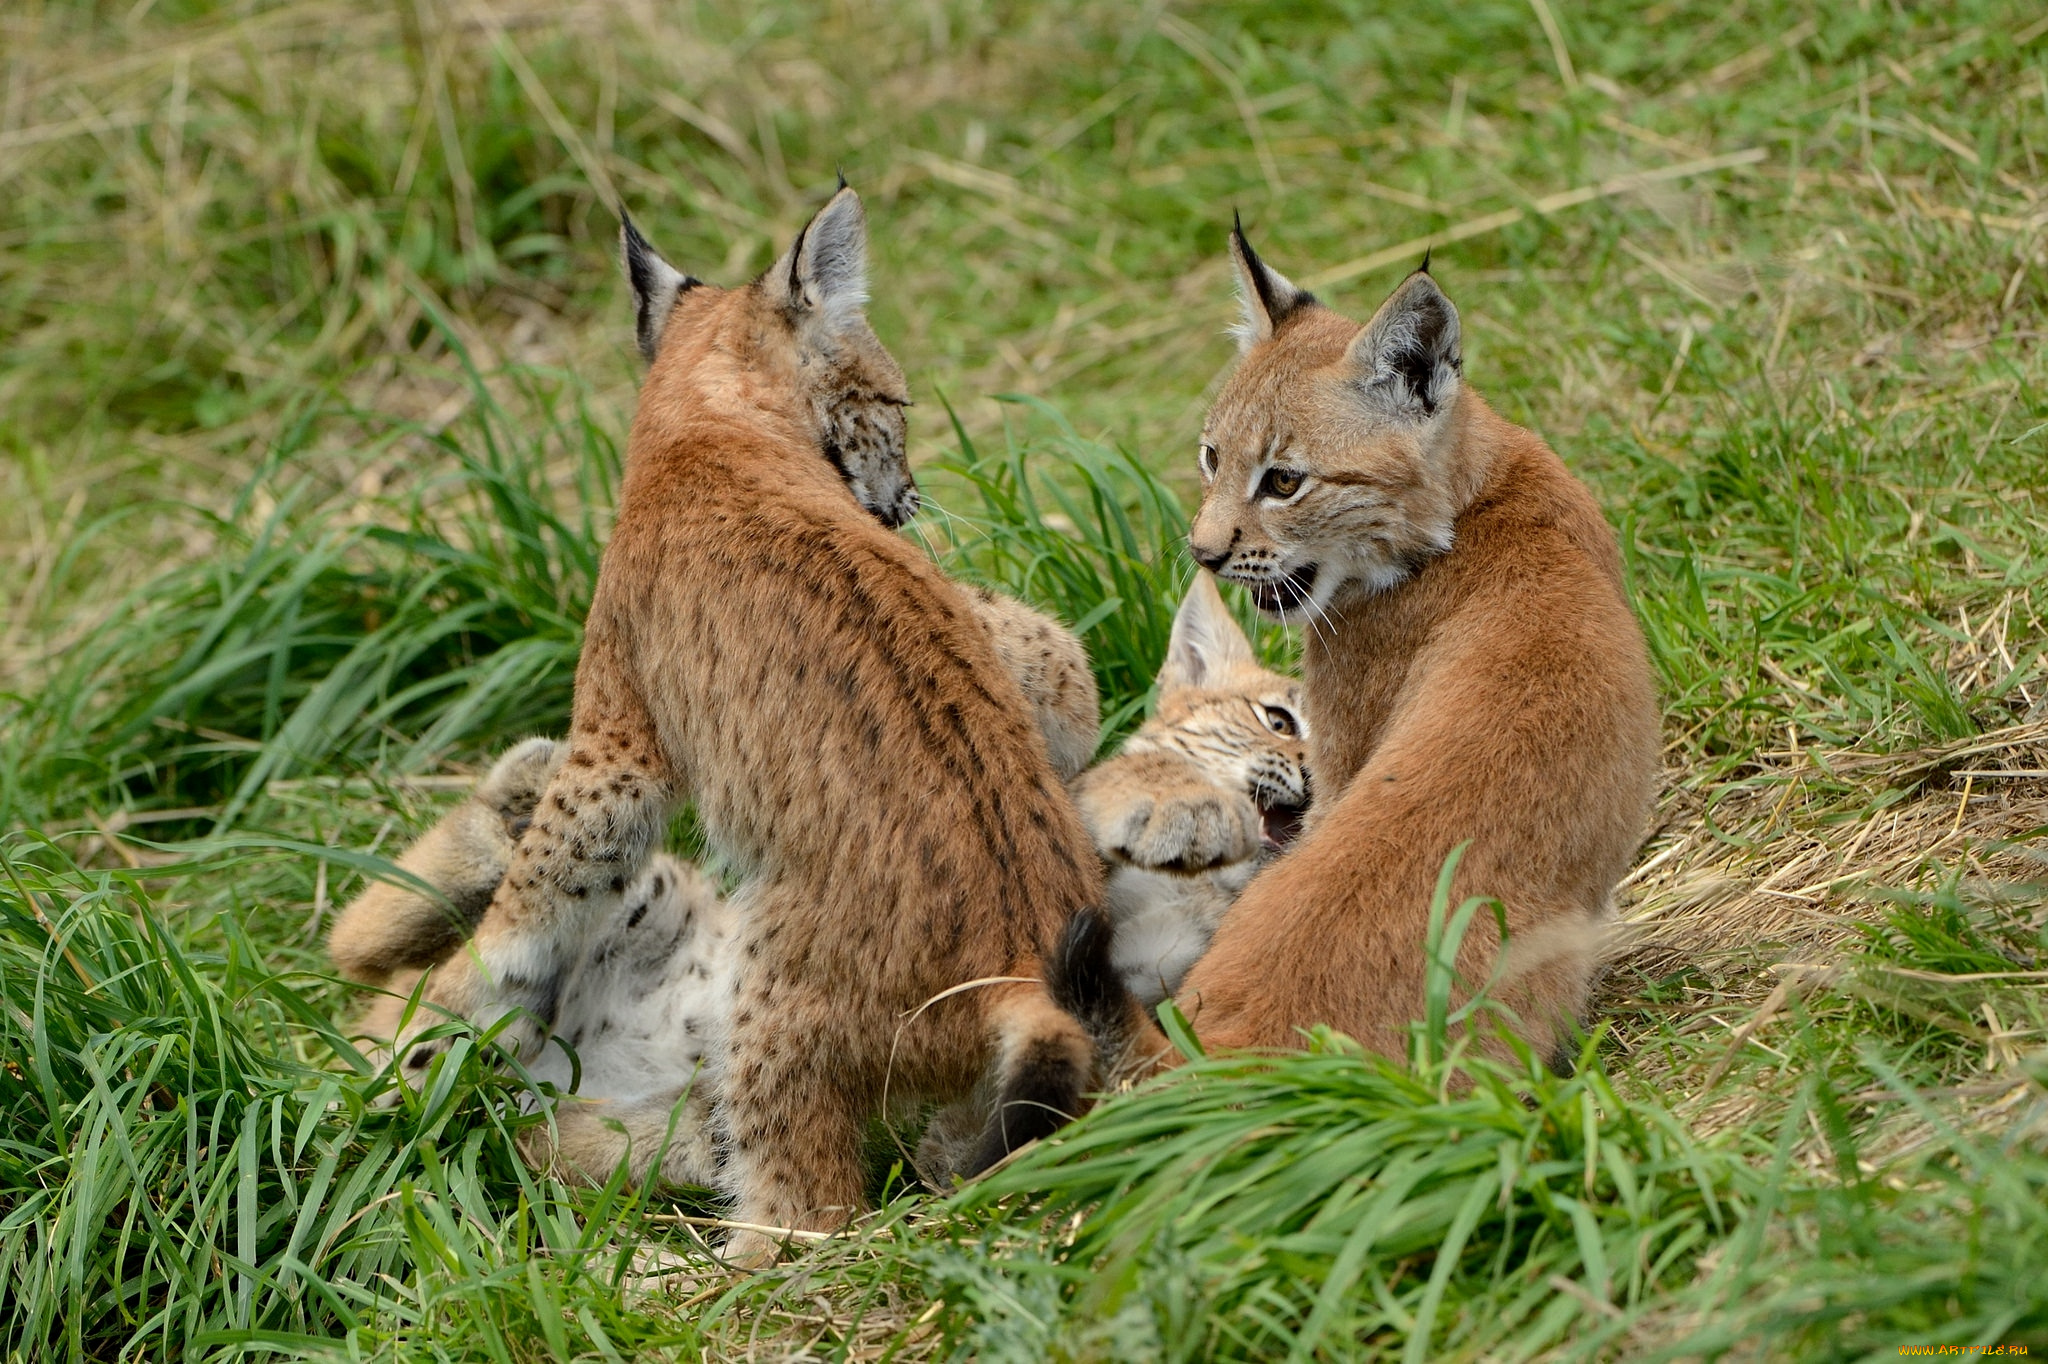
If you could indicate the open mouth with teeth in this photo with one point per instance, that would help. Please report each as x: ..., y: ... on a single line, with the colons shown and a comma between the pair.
x: 1284, y: 594
x: 1278, y: 824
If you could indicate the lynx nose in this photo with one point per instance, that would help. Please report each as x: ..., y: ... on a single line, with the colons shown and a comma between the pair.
x: 1211, y: 559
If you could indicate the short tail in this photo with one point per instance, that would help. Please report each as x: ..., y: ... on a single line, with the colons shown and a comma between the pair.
x: 1084, y: 981
x: 1051, y: 1039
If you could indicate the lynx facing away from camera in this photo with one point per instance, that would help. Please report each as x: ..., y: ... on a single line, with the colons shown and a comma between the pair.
x: 760, y: 642
x: 1473, y: 673
x: 1210, y: 788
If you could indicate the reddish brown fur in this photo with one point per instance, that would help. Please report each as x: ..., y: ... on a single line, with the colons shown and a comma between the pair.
x: 760, y: 644
x: 1499, y: 693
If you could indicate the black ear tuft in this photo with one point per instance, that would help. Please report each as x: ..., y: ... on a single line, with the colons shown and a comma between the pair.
x: 1269, y: 297
x: 824, y: 274
x: 655, y: 283
x: 1424, y: 267
x: 1415, y: 359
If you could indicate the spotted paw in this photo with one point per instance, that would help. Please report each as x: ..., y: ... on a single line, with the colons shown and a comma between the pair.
x: 1190, y: 828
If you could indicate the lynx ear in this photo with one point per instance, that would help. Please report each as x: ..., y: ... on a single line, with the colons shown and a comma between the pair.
x: 656, y: 286
x: 1206, y: 639
x: 1408, y: 357
x: 825, y: 270
x: 1269, y: 297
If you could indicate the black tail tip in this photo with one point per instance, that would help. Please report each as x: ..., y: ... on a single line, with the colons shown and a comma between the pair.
x: 1082, y: 978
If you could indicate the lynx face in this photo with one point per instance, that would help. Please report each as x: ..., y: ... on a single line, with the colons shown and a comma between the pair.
x: 1244, y: 727
x: 802, y: 318
x: 1322, y: 462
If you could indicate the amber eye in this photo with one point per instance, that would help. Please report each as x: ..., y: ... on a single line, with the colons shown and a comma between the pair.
x: 1280, y: 483
x: 1280, y: 720
x: 1205, y: 460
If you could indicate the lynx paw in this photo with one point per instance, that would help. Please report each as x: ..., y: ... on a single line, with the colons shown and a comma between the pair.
x: 459, y: 989
x: 745, y: 1249
x: 1187, y: 828
x: 516, y: 780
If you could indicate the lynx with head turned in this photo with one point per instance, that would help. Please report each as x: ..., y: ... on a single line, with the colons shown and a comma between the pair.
x: 762, y: 643
x: 1473, y: 673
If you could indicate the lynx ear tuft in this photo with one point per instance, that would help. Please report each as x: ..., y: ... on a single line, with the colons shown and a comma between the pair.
x: 1269, y: 297
x: 825, y: 270
x: 1206, y: 640
x: 656, y: 286
x: 1408, y: 357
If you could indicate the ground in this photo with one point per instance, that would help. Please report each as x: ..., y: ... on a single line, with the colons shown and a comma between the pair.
x: 315, y: 368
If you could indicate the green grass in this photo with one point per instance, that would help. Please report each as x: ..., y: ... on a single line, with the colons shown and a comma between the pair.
x: 315, y: 373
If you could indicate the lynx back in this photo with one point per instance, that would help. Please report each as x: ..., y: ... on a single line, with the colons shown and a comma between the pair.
x: 761, y: 642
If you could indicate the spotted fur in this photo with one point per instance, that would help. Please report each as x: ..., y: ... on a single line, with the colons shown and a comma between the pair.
x: 762, y: 645
x: 643, y: 1009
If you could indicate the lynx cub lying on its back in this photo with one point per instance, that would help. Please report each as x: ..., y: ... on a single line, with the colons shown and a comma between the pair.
x: 1211, y: 787
x: 642, y: 1008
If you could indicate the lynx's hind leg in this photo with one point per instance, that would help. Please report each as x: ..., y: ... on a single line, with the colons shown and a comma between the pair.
x: 394, y: 927
x: 790, y: 1121
x: 1051, y: 669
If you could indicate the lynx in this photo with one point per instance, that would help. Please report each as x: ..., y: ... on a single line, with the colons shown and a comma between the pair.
x: 1473, y: 673
x: 760, y: 642
x: 1210, y: 788
x: 641, y: 1007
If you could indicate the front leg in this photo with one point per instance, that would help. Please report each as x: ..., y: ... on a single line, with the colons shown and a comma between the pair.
x: 596, y: 821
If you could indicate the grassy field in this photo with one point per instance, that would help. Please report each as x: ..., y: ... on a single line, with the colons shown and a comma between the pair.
x: 314, y: 369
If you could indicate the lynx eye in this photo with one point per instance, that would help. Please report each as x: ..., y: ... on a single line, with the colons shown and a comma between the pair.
x: 1205, y: 460
x: 1281, y: 483
x: 1280, y: 720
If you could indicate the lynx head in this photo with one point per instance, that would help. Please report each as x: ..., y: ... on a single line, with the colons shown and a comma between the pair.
x: 800, y: 333
x: 1241, y: 723
x: 1326, y: 461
